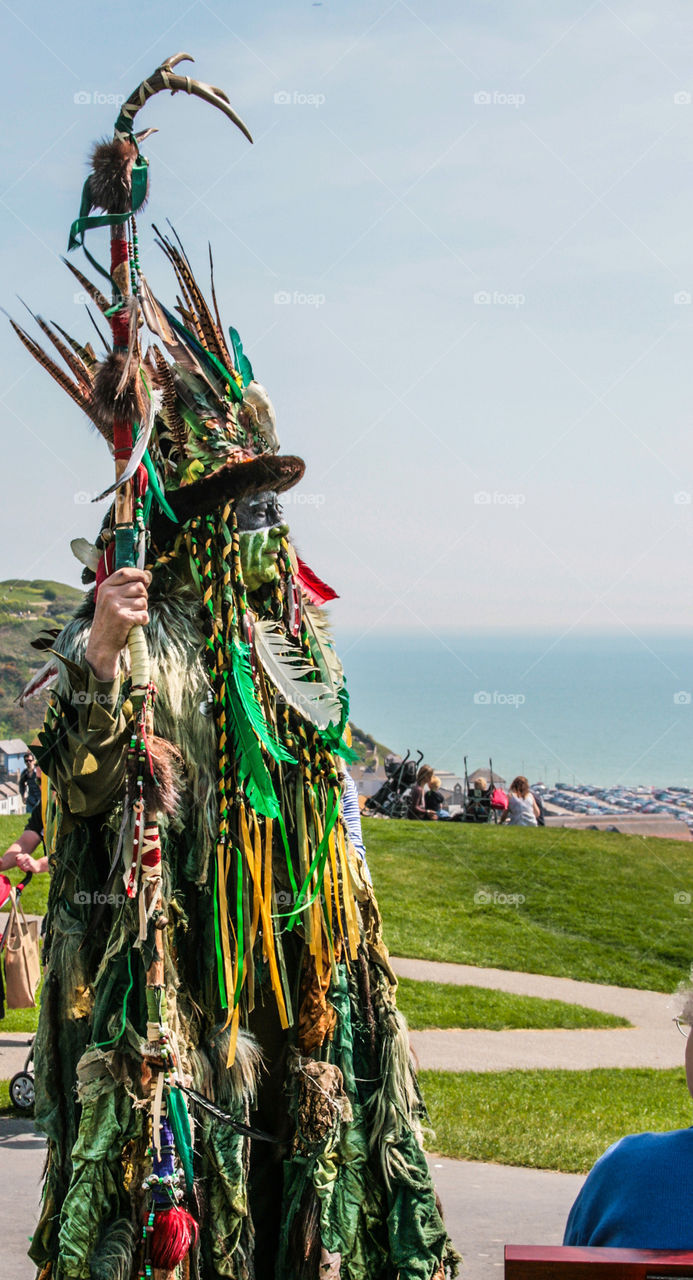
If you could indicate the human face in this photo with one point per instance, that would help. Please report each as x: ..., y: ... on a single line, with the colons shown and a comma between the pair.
x: 261, y: 527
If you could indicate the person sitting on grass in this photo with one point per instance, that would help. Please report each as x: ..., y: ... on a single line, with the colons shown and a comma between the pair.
x: 522, y: 810
x: 417, y: 797
x: 638, y: 1195
x: 20, y: 851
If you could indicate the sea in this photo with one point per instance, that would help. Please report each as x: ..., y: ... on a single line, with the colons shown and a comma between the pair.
x: 605, y: 710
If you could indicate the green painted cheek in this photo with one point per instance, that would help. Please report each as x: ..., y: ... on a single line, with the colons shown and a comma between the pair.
x: 256, y: 563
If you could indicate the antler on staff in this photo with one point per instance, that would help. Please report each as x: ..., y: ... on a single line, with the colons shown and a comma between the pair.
x: 163, y: 79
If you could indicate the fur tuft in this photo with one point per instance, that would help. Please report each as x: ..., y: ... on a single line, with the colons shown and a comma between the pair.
x: 110, y: 181
x: 163, y: 791
x: 113, y: 1255
x: 107, y: 404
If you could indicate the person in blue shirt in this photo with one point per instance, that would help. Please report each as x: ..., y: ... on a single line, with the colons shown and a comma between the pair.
x: 639, y: 1193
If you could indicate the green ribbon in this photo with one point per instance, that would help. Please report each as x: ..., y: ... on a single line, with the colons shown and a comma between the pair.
x: 239, y: 928
x: 318, y: 864
x: 156, y: 488
x: 85, y: 221
x: 217, y: 942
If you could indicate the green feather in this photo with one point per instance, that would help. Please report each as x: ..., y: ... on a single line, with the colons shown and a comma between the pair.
x: 252, y: 770
x: 177, y: 1113
x: 156, y: 487
x: 243, y: 365
x: 245, y: 688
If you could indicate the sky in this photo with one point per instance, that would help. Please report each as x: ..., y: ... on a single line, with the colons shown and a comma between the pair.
x: 459, y: 254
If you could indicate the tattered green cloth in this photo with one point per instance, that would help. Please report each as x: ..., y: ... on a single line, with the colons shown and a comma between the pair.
x: 342, y: 1190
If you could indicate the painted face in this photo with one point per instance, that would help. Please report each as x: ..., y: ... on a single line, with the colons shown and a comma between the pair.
x: 261, y: 527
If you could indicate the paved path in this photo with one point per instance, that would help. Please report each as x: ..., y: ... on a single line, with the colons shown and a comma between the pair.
x: 489, y: 1205
x: 14, y: 1051
x: 652, y: 1041
x: 22, y: 1154
x: 485, y: 1205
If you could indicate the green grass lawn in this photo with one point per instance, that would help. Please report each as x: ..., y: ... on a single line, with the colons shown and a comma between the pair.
x: 583, y: 904
x: 441, y: 1004
x: 549, y: 1119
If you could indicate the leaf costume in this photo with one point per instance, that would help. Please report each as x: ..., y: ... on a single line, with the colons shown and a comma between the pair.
x: 221, y: 1070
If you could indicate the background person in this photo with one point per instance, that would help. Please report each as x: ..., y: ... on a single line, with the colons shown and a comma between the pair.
x: 417, y: 798
x: 522, y: 810
x: 435, y: 800
x: 30, y: 782
x: 638, y: 1195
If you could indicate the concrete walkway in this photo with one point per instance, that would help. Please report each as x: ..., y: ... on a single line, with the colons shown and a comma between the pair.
x: 652, y: 1041
x: 14, y: 1051
x: 485, y: 1205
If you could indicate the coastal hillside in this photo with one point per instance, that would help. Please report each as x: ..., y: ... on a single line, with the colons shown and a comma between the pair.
x: 369, y: 752
x: 27, y: 608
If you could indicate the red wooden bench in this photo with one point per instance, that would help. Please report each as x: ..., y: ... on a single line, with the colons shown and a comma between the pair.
x: 547, y: 1262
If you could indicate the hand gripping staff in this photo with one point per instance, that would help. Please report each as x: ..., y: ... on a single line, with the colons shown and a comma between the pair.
x: 125, y: 407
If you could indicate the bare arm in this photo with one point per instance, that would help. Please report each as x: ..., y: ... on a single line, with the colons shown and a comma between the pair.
x: 22, y: 848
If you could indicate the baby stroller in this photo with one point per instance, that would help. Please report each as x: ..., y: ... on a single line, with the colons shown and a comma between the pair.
x: 22, y: 1089
x: 391, y: 800
x: 482, y: 804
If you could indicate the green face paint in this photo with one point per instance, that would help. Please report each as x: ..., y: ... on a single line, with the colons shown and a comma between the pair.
x: 259, y: 549
x: 261, y: 529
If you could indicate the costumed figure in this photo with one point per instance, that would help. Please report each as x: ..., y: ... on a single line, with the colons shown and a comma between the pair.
x: 221, y: 1070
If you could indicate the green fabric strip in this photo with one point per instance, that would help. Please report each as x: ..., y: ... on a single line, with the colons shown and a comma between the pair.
x: 287, y: 853
x: 239, y: 927
x: 318, y: 864
x: 156, y: 488
x: 217, y: 942
x: 124, y: 546
x: 86, y: 221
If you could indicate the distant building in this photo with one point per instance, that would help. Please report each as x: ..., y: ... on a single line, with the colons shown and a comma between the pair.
x: 486, y: 775
x: 10, y: 799
x: 12, y: 752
